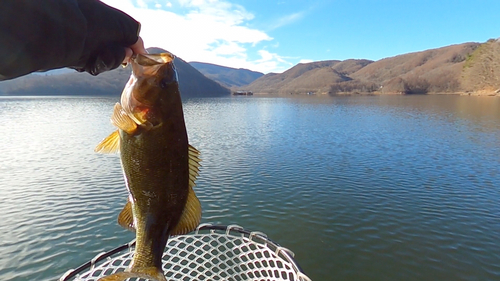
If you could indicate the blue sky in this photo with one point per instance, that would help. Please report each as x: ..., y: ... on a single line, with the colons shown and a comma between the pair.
x: 272, y: 36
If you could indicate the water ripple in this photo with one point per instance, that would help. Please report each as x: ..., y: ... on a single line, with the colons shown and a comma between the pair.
x: 373, y: 188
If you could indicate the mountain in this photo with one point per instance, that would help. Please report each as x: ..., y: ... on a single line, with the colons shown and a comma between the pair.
x: 191, y: 83
x: 227, y: 76
x: 434, y: 71
x: 308, y: 77
x: 73, y: 83
x: 466, y: 68
x: 470, y: 68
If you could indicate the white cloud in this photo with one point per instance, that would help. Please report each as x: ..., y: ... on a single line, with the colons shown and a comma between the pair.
x: 288, y: 19
x: 142, y: 4
x: 272, y: 60
x: 213, y: 31
x: 305, y: 61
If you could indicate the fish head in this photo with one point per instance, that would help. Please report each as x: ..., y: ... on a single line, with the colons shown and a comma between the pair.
x: 152, y: 88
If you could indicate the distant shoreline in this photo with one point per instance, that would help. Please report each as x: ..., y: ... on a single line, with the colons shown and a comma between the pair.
x: 483, y: 93
x: 377, y: 93
x: 31, y: 95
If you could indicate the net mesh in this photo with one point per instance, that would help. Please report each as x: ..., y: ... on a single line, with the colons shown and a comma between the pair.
x: 212, y: 253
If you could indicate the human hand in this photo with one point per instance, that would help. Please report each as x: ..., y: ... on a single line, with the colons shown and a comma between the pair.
x: 112, y: 37
x: 85, y: 35
x: 136, y: 48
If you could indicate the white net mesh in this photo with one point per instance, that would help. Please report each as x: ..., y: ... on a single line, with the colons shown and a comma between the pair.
x: 211, y: 253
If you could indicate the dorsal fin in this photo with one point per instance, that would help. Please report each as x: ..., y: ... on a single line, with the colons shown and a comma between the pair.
x: 191, y: 216
x: 194, y: 165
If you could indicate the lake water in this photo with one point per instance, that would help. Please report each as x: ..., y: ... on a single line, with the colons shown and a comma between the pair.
x: 360, y: 188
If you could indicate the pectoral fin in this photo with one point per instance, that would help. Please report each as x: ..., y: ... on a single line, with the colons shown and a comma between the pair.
x: 126, y: 218
x: 111, y: 144
x: 121, y: 120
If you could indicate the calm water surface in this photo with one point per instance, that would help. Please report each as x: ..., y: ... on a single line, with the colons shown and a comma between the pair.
x: 360, y: 188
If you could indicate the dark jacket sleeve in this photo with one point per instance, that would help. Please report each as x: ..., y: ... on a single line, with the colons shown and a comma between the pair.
x: 86, y: 35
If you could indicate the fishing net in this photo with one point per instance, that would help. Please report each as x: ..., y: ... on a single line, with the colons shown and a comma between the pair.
x: 213, y: 252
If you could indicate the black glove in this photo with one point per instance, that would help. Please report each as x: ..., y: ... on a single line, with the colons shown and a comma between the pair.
x: 86, y: 35
x: 108, y: 32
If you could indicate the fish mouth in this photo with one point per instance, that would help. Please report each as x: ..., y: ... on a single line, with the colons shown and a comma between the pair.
x: 148, y: 64
x: 137, y: 99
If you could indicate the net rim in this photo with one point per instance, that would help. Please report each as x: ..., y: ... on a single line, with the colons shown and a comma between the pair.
x: 232, y: 230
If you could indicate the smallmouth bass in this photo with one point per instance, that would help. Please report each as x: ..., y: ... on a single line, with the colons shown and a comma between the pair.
x: 159, y: 165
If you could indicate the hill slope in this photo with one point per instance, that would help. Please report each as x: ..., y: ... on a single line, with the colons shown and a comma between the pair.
x: 482, y: 68
x: 435, y: 70
x: 280, y: 83
x: 191, y: 83
x: 467, y: 67
x: 227, y: 76
x: 308, y: 77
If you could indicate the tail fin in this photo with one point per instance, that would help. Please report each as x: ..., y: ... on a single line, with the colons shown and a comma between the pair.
x: 150, y: 273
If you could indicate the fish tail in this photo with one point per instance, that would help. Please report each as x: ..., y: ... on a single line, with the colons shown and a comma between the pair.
x: 151, y: 273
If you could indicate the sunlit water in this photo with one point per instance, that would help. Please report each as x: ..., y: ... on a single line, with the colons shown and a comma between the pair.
x: 360, y: 188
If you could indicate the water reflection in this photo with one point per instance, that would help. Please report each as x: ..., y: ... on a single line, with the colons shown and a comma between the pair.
x: 360, y: 188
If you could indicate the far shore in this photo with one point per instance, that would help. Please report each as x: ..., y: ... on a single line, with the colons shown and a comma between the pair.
x: 483, y: 93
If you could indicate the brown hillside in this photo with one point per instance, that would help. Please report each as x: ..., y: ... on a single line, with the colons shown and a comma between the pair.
x: 436, y: 70
x: 420, y: 62
x: 315, y: 80
x: 431, y: 71
x: 350, y: 66
x: 302, y: 68
x: 481, y: 70
x: 308, y: 77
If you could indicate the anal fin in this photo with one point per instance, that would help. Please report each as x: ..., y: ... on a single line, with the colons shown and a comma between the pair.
x: 126, y: 217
